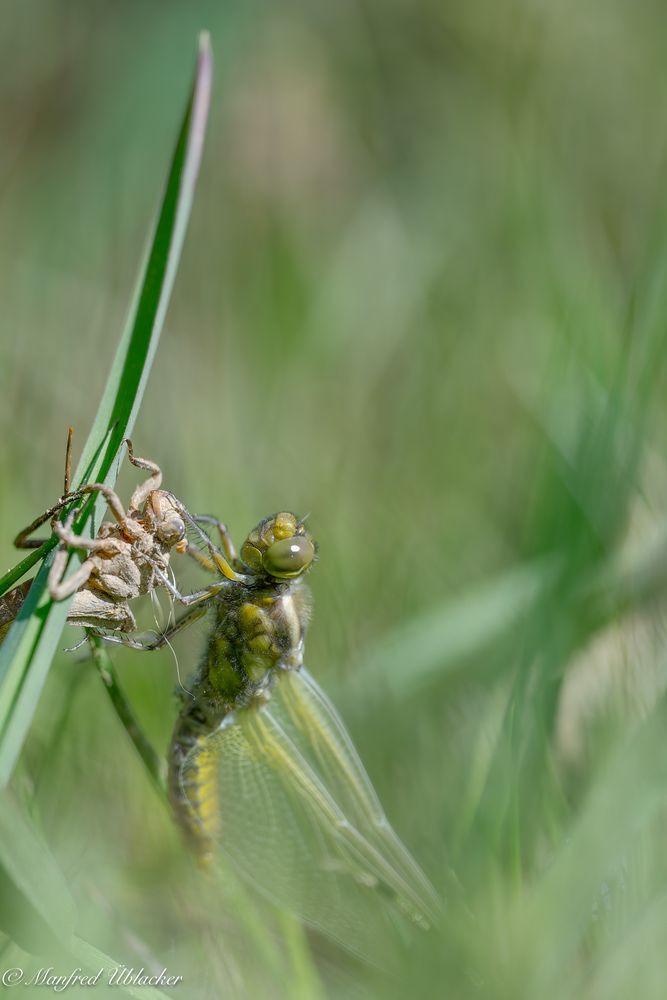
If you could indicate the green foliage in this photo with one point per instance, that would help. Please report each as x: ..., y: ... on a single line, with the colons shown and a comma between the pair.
x: 425, y: 299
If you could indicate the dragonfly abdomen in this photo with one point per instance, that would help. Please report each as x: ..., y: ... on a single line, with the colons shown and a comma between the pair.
x: 193, y: 790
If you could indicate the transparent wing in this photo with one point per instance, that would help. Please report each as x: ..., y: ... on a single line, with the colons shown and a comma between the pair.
x: 300, y: 819
x: 330, y: 749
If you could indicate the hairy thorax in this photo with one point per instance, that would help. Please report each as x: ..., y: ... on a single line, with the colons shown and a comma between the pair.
x: 263, y: 631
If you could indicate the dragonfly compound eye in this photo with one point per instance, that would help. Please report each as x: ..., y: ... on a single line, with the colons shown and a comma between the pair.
x: 289, y: 557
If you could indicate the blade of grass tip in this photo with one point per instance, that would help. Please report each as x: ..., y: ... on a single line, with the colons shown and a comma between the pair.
x: 129, y: 373
x: 27, y: 652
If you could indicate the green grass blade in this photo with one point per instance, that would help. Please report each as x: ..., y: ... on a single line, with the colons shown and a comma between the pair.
x: 424, y: 650
x: 36, y: 908
x: 13, y: 575
x: 93, y: 960
x: 26, y: 654
x: 627, y: 797
x: 153, y: 762
x: 130, y: 369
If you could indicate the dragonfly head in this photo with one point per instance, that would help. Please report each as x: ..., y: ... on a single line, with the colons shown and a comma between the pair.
x: 279, y: 547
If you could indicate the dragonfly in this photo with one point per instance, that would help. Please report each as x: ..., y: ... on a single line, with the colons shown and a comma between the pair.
x: 262, y: 769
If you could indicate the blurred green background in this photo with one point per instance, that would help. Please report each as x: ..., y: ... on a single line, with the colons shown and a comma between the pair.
x: 423, y: 297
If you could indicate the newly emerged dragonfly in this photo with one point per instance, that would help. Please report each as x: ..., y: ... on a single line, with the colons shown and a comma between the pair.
x: 261, y: 766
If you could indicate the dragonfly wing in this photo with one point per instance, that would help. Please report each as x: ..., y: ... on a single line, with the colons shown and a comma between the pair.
x: 283, y: 832
x: 305, y: 712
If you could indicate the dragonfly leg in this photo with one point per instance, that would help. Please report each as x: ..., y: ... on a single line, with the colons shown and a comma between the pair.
x: 23, y: 541
x: 223, y: 531
x: 187, y: 619
x: 59, y: 588
x: 188, y: 600
x: 67, y: 536
x: 216, y: 563
x: 224, y: 567
x: 120, y: 640
x: 154, y: 481
x: 112, y: 499
x: 222, y: 564
x: 201, y: 559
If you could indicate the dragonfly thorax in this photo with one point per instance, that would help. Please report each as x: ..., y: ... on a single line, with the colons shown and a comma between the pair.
x: 264, y: 632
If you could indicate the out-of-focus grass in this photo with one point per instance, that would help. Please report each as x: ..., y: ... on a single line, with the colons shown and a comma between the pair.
x: 423, y: 297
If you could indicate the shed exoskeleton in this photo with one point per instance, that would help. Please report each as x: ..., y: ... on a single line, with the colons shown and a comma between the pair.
x: 122, y: 560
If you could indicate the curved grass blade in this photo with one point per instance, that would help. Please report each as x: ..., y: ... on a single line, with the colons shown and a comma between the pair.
x: 27, y: 652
